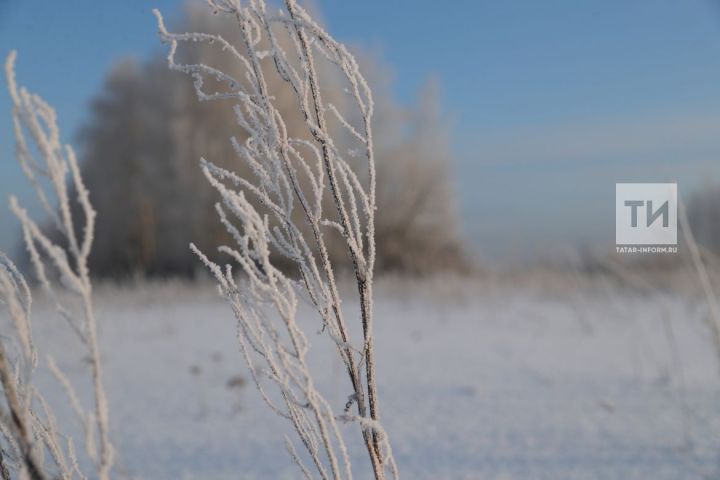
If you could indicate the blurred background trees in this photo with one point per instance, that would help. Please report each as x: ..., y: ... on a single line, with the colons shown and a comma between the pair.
x: 703, y: 212
x: 146, y: 132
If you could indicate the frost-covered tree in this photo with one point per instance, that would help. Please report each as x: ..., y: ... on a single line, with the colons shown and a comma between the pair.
x: 307, y: 187
x: 140, y: 145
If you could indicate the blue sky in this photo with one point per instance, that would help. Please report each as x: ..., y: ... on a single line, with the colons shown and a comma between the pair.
x: 550, y: 102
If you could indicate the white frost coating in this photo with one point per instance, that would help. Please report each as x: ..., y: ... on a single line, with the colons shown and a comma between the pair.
x: 25, y: 432
x: 36, y: 120
x: 291, y: 176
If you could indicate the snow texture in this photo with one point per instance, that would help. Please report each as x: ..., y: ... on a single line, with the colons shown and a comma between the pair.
x: 507, y: 384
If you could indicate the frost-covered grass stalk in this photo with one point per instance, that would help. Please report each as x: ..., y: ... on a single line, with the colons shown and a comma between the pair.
x: 292, y: 176
x: 19, y: 426
x: 47, y: 164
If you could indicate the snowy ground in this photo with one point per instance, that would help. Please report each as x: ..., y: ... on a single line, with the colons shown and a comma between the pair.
x: 498, y: 384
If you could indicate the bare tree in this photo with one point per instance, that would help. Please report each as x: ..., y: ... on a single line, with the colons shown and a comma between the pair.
x: 292, y: 174
x: 417, y: 225
x: 29, y: 433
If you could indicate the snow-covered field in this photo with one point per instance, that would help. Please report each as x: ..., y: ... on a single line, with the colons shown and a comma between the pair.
x: 501, y: 383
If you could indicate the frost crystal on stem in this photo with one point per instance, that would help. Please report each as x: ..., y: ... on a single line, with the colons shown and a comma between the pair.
x: 283, y: 211
x: 47, y: 164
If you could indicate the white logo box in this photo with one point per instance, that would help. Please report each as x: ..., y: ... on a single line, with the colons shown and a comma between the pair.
x: 653, y: 208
